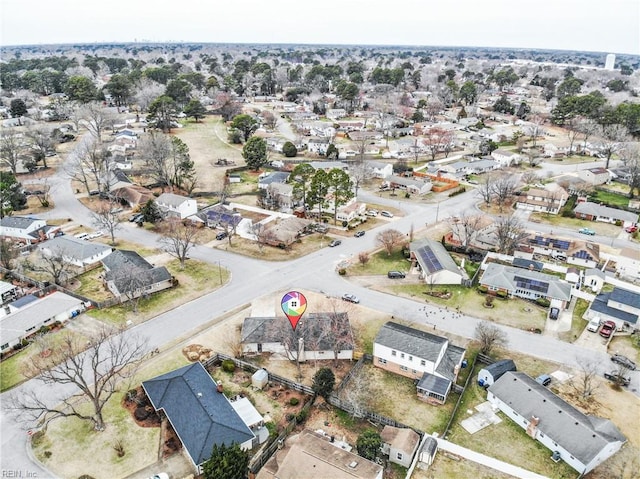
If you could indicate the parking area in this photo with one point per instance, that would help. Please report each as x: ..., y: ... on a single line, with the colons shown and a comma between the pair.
x: 592, y: 341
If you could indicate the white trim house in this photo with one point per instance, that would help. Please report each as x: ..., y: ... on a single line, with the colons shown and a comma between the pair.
x: 176, y: 205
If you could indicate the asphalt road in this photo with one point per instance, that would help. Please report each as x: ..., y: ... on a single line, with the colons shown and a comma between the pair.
x: 253, y: 278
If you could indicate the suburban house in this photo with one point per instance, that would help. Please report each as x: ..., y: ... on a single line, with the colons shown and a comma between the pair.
x: 595, y: 212
x: 505, y: 158
x: 380, y: 170
x: 474, y: 167
x: 580, y: 440
x: 318, y: 336
x: 329, y: 165
x: 8, y: 292
x: 318, y: 146
x: 545, y: 201
x: 577, y: 252
x: 410, y: 185
x: 75, y: 251
x: 620, y: 305
x: 494, y: 371
x: 336, y: 113
x: 351, y: 210
x: 524, y: 283
x: 316, y: 454
x: 221, y: 216
x: 176, y: 206
x: 481, y: 237
x: 275, y: 177
x: 38, y: 312
x: 280, y: 195
x: 27, y: 230
x: 594, y: 279
x: 129, y: 275
x: 400, y: 444
x: 199, y: 412
x: 132, y: 195
x: 628, y: 263
x: 419, y: 355
x: 595, y: 176
x: 435, y: 263
x: 283, y: 232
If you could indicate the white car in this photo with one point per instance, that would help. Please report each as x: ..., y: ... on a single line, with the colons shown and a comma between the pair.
x: 386, y: 214
x: 95, y: 234
x: 594, y: 324
x: 160, y: 475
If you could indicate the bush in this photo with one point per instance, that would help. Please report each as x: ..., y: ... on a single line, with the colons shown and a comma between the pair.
x: 502, y: 294
x: 141, y: 413
x: 302, y: 416
x: 544, y: 302
x: 228, y: 366
x: 294, y: 401
x: 342, y: 271
x: 132, y: 394
x: 483, y: 290
x: 289, y: 149
x: 459, y: 191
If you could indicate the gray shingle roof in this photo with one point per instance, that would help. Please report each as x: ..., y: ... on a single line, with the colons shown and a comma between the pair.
x: 411, y: 341
x: 319, y: 330
x: 426, y: 248
x: 581, y: 435
x: 503, y: 277
x: 600, y: 305
x: 433, y: 383
x: 20, y: 222
x: 122, y: 265
x: 594, y: 209
x: 498, y: 368
x: 200, y: 415
x: 624, y: 296
x: 78, y: 249
x: 171, y: 199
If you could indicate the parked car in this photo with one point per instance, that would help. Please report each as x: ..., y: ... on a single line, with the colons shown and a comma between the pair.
x: 544, y: 379
x: 594, y: 324
x: 352, y: 298
x: 83, y: 236
x: 222, y: 235
x: 335, y: 243
x: 616, y: 377
x: 631, y: 229
x: 372, y: 213
x: 554, y: 313
x: 607, y: 329
x: 395, y: 274
x: 135, y: 217
x: 623, y: 361
x: 587, y: 231
x: 95, y: 234
x: 359, y: 234
x: 160, y: 475
x: 386, y: 214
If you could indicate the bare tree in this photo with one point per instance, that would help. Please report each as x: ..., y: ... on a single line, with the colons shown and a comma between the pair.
x: 131, y: 283
x: 586, y: 382
x: 572, y: 126
x: 8, y: 254
x: 178, y: 238
x: 485, y: 188
x: 611, y: 142
x: 107, y: 217
x: 389, y: 239
x: 631, y: 160
x: 433, y: 108
x: 363, y: 258
x: 510, y: 232
x: 490, y: 337
x: 534, y: 129
x: 51, y: 263
x: 438, y: 140
x: 156, y: 150
x: 269, y: 119
x: 147, y: 90
x: 529, y: 177
x: 359, y: 171
x: 356, y: 395
x: 97, y: 119
x: 96, y: 373
x: 91, y: 165
x: 264, y: 235
x: 504, y: 186
x: 588, y: 128
x: 466, y: 226
x: 41, y: 143
x: 11, y: 147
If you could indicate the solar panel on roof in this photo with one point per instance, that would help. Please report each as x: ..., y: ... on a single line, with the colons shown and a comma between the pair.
x: 430, y: 260
x: 531, y: 284
x: 562, y: 244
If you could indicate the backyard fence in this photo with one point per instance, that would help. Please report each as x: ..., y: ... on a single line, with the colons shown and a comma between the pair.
x: 479, y: 358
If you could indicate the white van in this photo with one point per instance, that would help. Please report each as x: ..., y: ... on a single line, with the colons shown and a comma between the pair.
x: 594, y: 324
x: 83, y: 236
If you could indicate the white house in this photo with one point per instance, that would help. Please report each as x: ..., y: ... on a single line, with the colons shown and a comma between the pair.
x: 419, y: 355
x: 318, y: 146
x: 410, y: 185
x: 26, y: 230
x: 45, y: 311
x: 581, y: 441
x: 380, y: 170
x: 595, y: 176
x: 400, y: 444
x: 350, y: 211
x: 128, y: 275
x: 505, y: 157
x: 595, y: 212
x: 319, y: 336
x: 436, y: 264
x: 178, y: 206
x: 594, y: 279
x: 75, y: 251
x: 621, y: 306
x: 542, y: 200
x: 628, y: 263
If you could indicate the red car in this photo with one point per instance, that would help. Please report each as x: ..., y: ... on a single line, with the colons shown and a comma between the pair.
x: 607, y: 329
x: 631, y: 229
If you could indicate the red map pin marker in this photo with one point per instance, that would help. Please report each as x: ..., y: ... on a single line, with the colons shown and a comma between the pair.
x: 294, y: 304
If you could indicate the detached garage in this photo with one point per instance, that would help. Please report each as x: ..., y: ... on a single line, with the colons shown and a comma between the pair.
x: 490, y: 374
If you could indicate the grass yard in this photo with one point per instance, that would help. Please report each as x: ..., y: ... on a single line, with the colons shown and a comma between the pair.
x: 394, y: 396
x: 195, y: 280
x: 572, y: 160
x: 70, y: 447
x: 514, y: 312
x: 245, y: 247
x: 577, y: 323
x: 609, y: 198
x: 380, y: 263
x: 605, y: 229
x: 445, y: 467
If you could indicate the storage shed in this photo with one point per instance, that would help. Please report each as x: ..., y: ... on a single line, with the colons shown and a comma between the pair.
x: 260, y: 378
x: 491, y: 373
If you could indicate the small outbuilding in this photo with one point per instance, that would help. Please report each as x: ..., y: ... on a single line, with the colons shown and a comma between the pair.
x: 491, y: 373
x: 260, y: 378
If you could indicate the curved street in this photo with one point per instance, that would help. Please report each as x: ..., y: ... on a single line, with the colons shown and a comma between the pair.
x: 253, y: 278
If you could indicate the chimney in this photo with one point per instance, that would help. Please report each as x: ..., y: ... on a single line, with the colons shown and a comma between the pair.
x: 532, y: 428
x: 219, y: 388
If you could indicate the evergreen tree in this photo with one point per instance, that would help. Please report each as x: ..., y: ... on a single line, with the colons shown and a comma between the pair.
x: 255, y: 153
x: 226, y: 462
x: 369, y: 444
x: 323, y: 382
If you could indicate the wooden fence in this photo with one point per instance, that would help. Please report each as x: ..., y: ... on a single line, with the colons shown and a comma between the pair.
x: 478, y: 358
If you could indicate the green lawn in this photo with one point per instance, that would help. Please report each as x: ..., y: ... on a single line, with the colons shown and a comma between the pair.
x: 10, y: 374
x: 605, y: 229
x: 609, y: 198
x: 381, y: 263
x: 577, y: 323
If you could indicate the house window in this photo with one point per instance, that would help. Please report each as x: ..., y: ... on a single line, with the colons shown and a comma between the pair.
x: 5, y: 346
x: 402, y: 355
x: 382, y: 361
x: 423, y: 362
x: 404, y: 368
x: 410, y: 358
x: 399, y: 456
x: 541, y: 435
x: 393, y: 353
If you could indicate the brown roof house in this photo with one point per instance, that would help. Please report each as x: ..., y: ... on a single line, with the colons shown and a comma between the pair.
x: 313, y: 456
x: 400, y: 444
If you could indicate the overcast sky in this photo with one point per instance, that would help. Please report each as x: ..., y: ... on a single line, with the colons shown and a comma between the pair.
x: 589, y: 25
